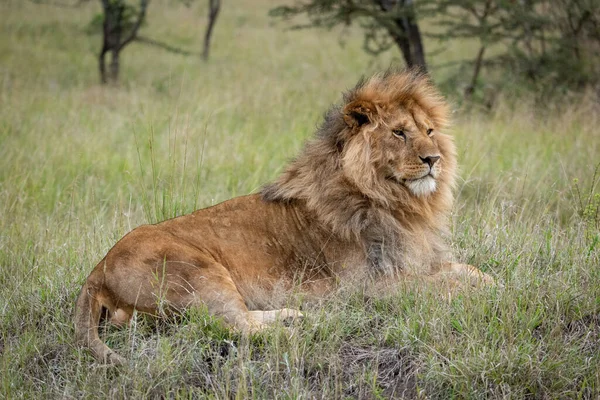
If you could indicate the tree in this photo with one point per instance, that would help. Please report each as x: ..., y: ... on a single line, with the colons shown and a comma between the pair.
x: 555, y: 42
x: 214, y: 7
x: 552, y: 44
x: 120, y: 27
x: 386, y: 23
x: 468, y: 19
x: 213, y: 12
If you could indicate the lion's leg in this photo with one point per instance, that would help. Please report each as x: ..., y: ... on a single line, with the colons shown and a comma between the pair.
x: 465, y: 273
x: 87, y: 317
x: 120, y: 316
x: 175, y: 284
x: 271, y: 316
x: 213, y: 288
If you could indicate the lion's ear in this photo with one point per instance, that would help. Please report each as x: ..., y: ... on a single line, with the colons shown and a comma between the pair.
x: 359, y: 113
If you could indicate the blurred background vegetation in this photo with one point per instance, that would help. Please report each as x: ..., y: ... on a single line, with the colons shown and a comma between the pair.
x: 549, y: 46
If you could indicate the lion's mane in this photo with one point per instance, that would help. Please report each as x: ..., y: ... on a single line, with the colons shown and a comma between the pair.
x: 336, y: 178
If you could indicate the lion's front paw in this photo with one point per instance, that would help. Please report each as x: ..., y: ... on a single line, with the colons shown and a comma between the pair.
x: 486, y: 279
x: 113, y: 358
x: 470, y: 275
x: 284, y: 315
x: 289, y: 315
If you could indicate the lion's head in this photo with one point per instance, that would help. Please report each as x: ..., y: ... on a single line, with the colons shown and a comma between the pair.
x: 394, y: 134
x: 381, y: 152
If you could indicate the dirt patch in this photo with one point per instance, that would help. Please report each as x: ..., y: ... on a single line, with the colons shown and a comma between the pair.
x: 396, y: 371
x: 585, y: 331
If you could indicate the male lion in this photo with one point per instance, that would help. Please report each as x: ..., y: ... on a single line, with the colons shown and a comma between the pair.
x: 369, y: 196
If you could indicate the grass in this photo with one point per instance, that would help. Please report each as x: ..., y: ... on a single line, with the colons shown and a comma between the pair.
x: 81, y: 165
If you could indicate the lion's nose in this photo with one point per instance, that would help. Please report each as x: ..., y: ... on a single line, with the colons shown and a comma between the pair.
x: 429, y: 160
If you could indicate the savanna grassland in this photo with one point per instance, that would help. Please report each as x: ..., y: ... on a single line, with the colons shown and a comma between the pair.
x: 81, y: 164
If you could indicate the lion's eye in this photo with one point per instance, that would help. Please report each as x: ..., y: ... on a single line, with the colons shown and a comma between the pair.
x: 399, y: 133
x: 429, y: 131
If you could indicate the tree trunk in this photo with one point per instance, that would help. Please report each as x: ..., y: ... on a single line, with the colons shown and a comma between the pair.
x: 401, y: 39
x: 113, y: 36
x: 113, y: 12
x: 102, y: 65
x: 414, y: 38
x: 114, y: 66
x: 107, y: 27
x: 214, y: 8
x: 471, y: 88
x: 405, y: 32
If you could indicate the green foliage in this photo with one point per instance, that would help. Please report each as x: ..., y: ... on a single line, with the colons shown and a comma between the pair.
x: 549, y: 46
x: 556, y: 44
x: 546, y: 46
x: 385, y: 23
x: 330, y: 13
x: 94, y: 27
x: 127, y: 13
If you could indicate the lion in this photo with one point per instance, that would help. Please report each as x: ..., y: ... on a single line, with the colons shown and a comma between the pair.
x: 367, y: 198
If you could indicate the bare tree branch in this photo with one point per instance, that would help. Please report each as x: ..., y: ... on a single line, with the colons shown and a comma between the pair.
x: 138, y: 23
x: 163, y: 45
x: 60, y: 4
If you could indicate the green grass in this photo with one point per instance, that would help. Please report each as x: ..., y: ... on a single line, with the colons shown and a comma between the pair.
x: 81, y: 165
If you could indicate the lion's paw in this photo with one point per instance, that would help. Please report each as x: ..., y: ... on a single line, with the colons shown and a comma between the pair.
x: 113, y: 358
x: 289, y: 315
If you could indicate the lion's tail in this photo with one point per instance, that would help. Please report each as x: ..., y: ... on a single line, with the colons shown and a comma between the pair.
x: 87, y: 318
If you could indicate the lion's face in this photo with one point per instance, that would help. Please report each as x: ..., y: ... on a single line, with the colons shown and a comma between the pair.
x: 385, y: 141
x: 409, y: 146
x: 404, y: 144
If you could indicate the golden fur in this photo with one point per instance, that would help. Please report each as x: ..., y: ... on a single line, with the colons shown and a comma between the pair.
x: 368, y: 196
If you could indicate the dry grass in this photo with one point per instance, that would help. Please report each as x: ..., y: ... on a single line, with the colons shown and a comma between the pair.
x: 80, y: 165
